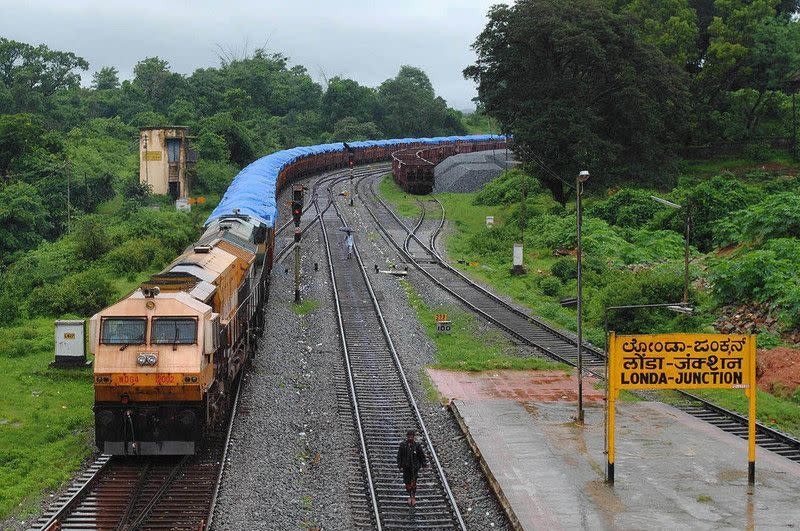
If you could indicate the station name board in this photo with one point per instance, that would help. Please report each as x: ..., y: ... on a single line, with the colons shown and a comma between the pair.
x: 681, y: 361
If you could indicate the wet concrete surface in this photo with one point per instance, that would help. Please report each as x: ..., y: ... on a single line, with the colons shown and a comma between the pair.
x: 673, y: 471
x: 543, y: 386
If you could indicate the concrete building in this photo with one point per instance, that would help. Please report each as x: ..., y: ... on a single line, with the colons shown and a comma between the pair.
x: 165, y: 161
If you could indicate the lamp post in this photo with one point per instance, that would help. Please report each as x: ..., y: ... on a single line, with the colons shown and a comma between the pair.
x: 686, y: 243
x: 582, y: 177
x: 672, y: 306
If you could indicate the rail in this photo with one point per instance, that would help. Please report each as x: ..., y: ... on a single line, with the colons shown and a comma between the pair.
x: 559, y: 343
x: 360, y: 389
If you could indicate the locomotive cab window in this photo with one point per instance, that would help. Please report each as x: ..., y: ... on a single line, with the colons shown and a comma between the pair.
x: 124, y: 331
x: 174, y: 331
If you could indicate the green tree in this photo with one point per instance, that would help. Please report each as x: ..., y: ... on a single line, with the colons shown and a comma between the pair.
x: 579, y: 90
x: 410, y: 107
x: 350, y: 129
x: 106, y: 78
x: 26, y: 146
x: 670, y: 25
x: 159, y: 86
x: 345, y: 98
x: 32, y: 74
x: 23, y: 219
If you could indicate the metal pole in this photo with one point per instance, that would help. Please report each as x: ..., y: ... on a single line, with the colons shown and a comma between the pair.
x: 579, y: 188
x: 297, y: 273
x: 608, y: 386
x: 351, y: 186
x: 686, y: 257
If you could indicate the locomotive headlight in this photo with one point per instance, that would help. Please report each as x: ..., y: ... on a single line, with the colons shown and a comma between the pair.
x: 142, y: 359
x: 151, y: 359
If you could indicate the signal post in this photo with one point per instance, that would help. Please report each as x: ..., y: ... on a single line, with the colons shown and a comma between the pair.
x: 297, y: 212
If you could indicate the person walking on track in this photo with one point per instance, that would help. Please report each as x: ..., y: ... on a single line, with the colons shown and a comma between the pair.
x: 349, y: 242
x: 410, y: 458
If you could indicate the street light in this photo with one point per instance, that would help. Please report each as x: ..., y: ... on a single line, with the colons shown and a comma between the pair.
x: 686, y: 243
x: 672, y: 306
x: 582, y: 177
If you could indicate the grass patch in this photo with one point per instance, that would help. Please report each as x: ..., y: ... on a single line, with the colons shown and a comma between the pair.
x: 45, y: 417
x: 306, y: 306
x: 704, y: 498
x: 464, y: 348
x: 404, y: 204
x: 431, y: 391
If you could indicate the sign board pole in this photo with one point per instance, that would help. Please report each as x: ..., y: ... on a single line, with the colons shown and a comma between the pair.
x: 751, y: 421
x: 682, y: 361
x: 612, y: 391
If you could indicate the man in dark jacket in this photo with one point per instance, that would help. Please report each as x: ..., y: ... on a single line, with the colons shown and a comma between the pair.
x: 410, y: 458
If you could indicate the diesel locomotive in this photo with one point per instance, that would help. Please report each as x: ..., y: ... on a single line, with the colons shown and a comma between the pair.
x: 168, y: 355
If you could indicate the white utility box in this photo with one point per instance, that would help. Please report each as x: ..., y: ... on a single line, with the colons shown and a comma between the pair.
x: 70, y: 343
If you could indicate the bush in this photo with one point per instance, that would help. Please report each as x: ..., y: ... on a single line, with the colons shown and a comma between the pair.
x: 550, y: 286
x: 627, y: 208
x: 214, y: 176
x: 777, y: 216
x: 82, y: 293
x: 91, y: 239
x: 769, y: 273
x: 758, y: 152
x: 663, y: 284
x: 708, y: 202
x: 767, y: 340
x: 212, y: 147
x: 138, y: 255
x: 507, y: 188
x: 565, y: 269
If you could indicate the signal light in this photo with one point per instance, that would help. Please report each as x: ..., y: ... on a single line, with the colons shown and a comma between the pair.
x: 297, y: 211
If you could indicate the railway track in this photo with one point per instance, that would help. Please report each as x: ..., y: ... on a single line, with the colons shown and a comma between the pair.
x: 130, y: 493
x: 551, y: 342
x: 382, y: 403
x: 333, y: 177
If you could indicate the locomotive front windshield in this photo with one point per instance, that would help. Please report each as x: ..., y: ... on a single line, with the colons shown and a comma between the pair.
x: 174, y: 331
x: 126, y: 331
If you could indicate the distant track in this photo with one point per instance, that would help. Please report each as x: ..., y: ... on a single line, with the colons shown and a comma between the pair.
x: 382, y: 402
x: 551, y: 342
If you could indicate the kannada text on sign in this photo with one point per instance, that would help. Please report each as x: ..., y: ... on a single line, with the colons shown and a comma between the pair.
x: 687, y: 361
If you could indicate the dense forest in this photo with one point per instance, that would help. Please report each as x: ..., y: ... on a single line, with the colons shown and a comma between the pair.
x: 623, y: 87
x: 68, y: 156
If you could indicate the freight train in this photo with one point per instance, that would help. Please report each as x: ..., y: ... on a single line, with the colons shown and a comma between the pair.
x: 413, y: 166
x: 168, y: 355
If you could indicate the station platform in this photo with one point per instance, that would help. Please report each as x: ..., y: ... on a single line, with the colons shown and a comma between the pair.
x: 673, y: 471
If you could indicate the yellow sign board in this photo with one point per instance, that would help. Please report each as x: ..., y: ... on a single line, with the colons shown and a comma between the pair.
x: 441, y: 317
x: 682, y: 361
x: 152, y: 155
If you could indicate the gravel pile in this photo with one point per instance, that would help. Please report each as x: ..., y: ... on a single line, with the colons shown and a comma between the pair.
x: 292, y: 449
x: 475, y: 498
x: 469, y: 172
